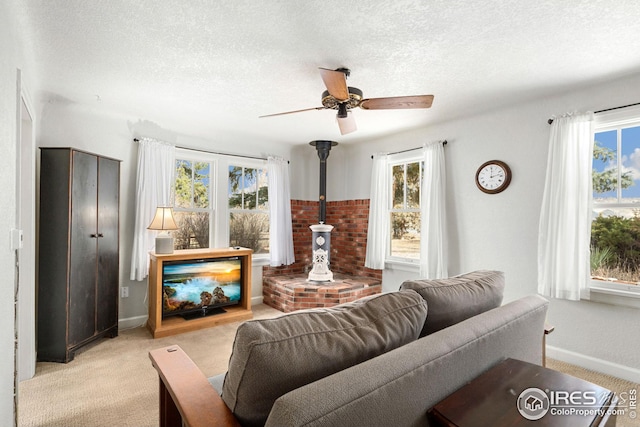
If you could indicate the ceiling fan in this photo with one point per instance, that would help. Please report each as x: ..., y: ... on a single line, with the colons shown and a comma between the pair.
x: 343, y: 98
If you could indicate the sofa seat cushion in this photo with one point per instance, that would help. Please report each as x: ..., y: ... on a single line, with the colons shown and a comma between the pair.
x: 271, y: 357
x: 457, y: 298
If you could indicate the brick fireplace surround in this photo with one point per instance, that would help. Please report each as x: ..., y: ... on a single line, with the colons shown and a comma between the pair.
x: 286, y: 288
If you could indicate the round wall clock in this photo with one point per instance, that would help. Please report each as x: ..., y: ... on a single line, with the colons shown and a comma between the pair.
x: 493, y: 176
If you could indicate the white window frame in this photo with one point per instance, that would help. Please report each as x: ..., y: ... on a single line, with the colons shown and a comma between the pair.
x: 607, y: 121
x: 219, y: 201
x: 201, y: 157
x: 244, y: 162
x: 412, y: 156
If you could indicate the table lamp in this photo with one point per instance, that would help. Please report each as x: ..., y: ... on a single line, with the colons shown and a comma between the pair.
x: 163, y: 222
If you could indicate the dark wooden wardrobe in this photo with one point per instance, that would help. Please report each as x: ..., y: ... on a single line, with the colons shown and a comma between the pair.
x: 78, y: 253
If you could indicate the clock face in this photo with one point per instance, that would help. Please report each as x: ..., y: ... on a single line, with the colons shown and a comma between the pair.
x: 493, y: 176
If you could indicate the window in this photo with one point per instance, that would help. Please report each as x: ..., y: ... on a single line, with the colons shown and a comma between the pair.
x: 248, y: 208
x: 615, y: 231
x: 193, y: 207
x: 404, y: 212
x: 221, y: 202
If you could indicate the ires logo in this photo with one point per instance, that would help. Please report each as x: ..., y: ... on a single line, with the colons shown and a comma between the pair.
x: 575, y: 398
x: 534, y: 403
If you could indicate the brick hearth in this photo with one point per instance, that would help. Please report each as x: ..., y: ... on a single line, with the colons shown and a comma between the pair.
x: 293, y: 292
x: 348, y: 249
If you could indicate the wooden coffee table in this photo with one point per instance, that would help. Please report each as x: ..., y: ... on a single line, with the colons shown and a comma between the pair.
x: 497, y: 397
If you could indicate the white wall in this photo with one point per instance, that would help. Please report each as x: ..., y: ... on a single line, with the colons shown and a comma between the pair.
x: 12, y: 58
x: 500, y: 231
x: 86, y: 127
x: 485, y: 231
x: 305, y: 172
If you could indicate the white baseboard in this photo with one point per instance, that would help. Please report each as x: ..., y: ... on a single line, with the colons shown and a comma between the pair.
x: 132, y: 322
x: 594, y: 364
x: 256, y: 300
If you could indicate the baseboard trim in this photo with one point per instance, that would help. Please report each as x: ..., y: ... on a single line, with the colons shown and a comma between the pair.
x: 256, y: 300
x: 594, y: 364
x: 132, y: 322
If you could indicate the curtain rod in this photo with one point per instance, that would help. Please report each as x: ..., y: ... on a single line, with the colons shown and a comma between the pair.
x: 411, y: 149
x: 216, y: 152
x: 606, y: 109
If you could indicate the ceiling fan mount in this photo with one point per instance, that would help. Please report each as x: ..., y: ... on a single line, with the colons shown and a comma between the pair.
x: 355, y: 96
x: 346, y: 71
x: 343, y: 98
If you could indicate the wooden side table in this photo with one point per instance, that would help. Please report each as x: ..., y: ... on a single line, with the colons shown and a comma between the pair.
x: 494, y: 398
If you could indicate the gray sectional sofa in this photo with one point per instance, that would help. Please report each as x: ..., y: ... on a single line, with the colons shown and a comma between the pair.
x: 374, y: 362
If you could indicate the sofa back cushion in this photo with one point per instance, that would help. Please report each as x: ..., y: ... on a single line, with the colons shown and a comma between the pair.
x: 457, y: 298
x: 271, y: 357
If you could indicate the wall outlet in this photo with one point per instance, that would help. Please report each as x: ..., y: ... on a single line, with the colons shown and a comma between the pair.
x: 16, y: 239
x: 124, y: 292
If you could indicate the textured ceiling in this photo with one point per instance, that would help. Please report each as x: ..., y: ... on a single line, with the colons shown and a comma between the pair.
x: 210, y: 68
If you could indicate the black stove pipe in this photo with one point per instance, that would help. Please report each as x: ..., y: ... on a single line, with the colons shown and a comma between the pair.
x: 323, y: 148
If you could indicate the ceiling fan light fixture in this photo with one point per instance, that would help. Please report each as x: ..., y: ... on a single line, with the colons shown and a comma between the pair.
x: 347, y: 124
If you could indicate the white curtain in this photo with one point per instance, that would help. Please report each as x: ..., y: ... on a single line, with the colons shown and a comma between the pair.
x: 565, y: 220
x: 433, y: 220
x: 378, y: 230
x: 280, y: 229
x: 154, y: 182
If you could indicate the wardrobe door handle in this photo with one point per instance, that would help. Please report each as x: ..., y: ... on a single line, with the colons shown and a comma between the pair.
x: 100, y: 235
x: 94, y: 236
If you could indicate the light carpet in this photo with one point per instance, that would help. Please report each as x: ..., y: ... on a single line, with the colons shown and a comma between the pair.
x: 621, y: 387
x: 113, y: 383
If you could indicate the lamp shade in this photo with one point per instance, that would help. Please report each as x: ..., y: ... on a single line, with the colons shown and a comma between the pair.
x: 163, y: 220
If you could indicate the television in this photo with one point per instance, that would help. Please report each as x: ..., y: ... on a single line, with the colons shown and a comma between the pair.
x: 200, y: 287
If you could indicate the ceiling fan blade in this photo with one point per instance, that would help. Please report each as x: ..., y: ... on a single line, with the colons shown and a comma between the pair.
x: 397, y: 102
x: 291, y: 112
x: 347, y: 124
x: 336, y: 83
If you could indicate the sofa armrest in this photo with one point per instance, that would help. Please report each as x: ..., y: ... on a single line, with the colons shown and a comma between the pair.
x: 186, y: 396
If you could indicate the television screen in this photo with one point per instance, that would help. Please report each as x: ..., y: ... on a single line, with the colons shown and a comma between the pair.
x: 195, y: 288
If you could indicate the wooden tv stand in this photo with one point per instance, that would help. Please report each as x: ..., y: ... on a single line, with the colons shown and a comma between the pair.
x: 160, y: 327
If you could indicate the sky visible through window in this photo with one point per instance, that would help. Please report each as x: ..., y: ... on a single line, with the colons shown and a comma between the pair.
x: 247, y: 188
x: 630, y: 160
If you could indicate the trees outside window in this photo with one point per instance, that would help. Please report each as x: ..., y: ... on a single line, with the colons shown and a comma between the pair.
x: 405, y: 210
x: 192, y: 208
x: 248, y: 197
x: 615, y: 231
x: 220, y: 204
